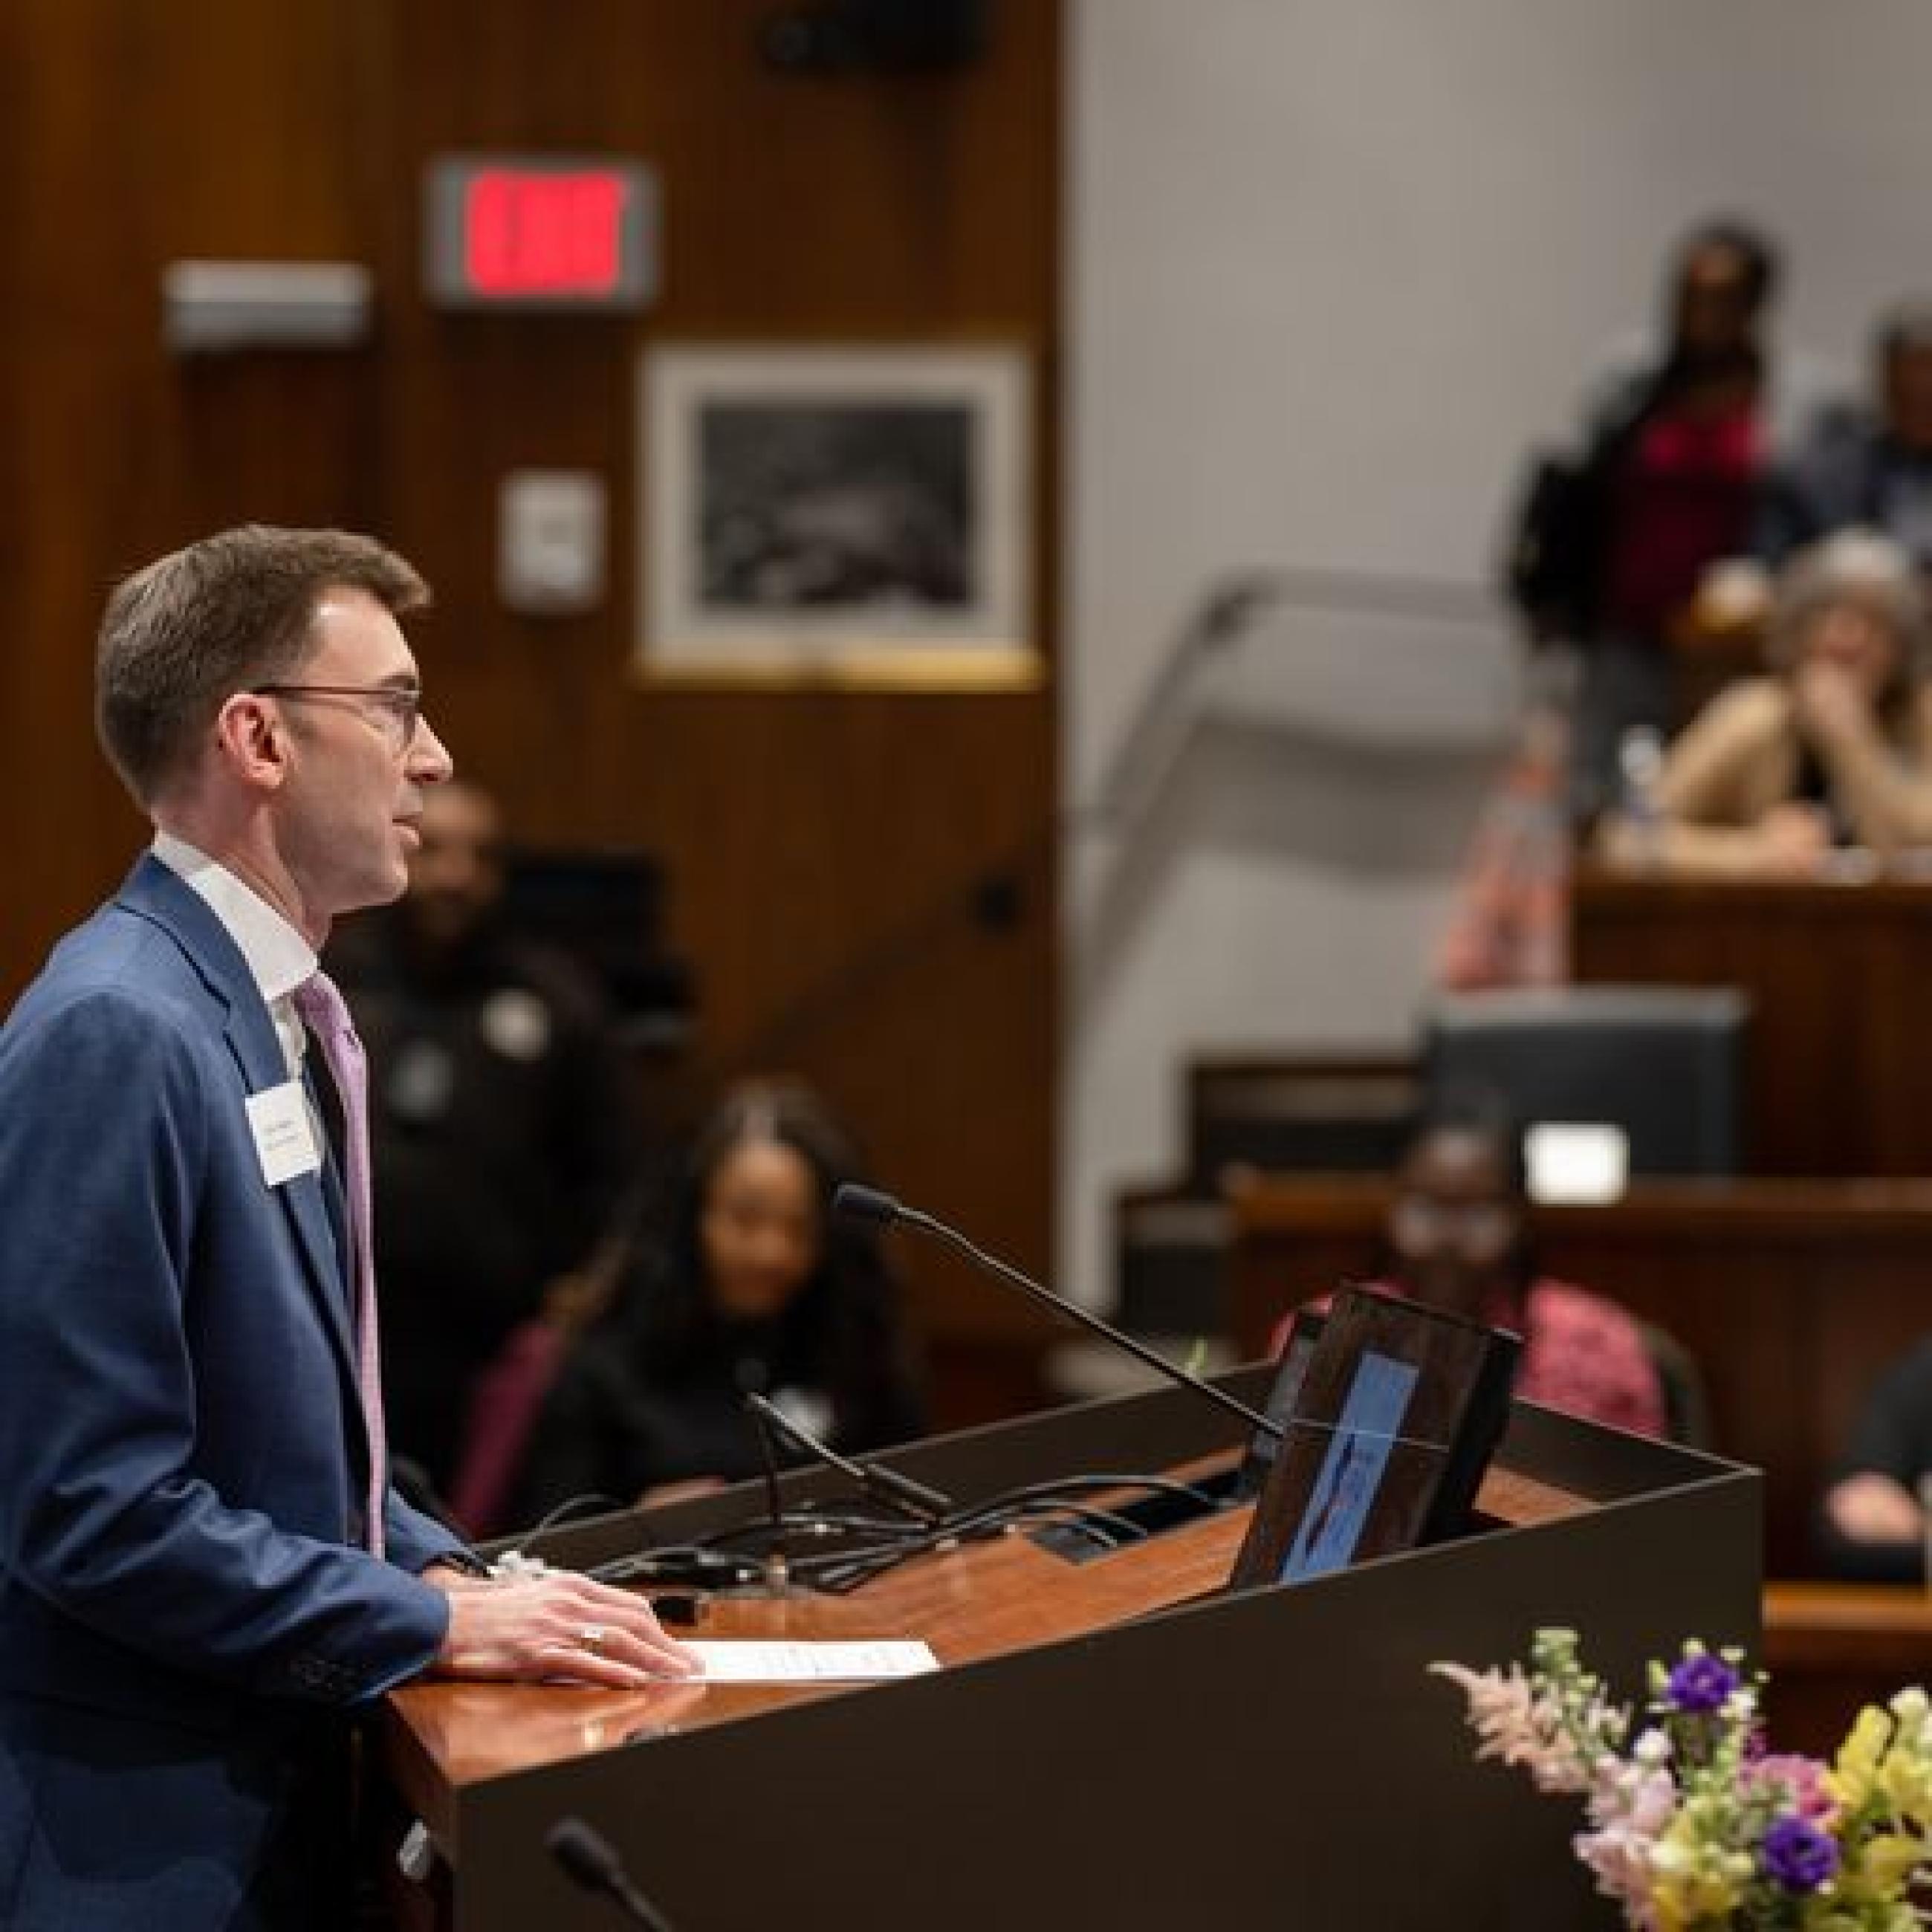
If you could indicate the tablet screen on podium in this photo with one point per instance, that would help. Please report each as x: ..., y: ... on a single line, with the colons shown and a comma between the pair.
x: 1395, y: 1421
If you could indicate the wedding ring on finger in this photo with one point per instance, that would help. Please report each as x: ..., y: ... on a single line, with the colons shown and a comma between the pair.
x: 591, y: 1638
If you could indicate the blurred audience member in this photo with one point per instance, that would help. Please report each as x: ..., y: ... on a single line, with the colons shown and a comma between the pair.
x: 1861, y: 466
x: 498, y: 1111
x: 1509, y: 924
x: 1458, y: 1238
x: 756, y: 1287
x: 1616, y: 544
x: 1873, y: 1524
x: 1834, y: 749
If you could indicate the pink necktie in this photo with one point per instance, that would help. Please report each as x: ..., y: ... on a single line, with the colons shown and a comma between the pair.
x: 321, y: 1005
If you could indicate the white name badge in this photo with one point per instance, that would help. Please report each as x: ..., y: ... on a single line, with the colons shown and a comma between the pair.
x: 285, y: 1142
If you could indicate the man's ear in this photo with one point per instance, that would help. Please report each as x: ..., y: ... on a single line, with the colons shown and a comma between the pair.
x: 252, y: 740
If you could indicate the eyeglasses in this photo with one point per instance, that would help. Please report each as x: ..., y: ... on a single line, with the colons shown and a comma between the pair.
x: 399, y: 705
x: 1477, y: 1224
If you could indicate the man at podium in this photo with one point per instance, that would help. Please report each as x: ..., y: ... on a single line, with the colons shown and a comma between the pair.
x: 203, y: 1568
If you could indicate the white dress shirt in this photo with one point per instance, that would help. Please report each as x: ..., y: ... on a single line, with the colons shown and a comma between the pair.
x: 279, y: 958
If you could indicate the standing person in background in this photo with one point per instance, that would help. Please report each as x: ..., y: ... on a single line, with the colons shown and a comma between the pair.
x: 203, y: 1570
x: 499, y: 1116
x: 1665, y: 485
x: 1510, y: 922
x: 756, y: 1287
x: 1858, y: 467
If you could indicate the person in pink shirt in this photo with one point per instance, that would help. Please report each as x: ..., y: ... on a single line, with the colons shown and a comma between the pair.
x: 1458, y: 1238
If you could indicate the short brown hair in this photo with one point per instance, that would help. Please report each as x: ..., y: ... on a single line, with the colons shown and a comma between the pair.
x: 180, y: 637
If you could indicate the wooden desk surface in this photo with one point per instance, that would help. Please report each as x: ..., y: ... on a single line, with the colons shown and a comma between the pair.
x: 1907, y: 888
x: 982, y: 1601
x: 1877, y: 1626
x: 1819, y: 1210
x: 1828, y: 1647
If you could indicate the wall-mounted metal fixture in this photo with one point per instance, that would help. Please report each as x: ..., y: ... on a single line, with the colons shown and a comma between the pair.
x: 217, y: 308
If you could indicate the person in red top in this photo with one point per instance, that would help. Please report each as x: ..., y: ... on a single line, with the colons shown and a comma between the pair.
x: 1664, y: 484
x: 1458, y: 1238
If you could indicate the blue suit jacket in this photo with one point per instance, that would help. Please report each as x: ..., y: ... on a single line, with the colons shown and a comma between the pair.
x: 185, y: 1612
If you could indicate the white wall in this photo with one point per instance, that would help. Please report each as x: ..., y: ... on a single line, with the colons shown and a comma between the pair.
x: 1334, y: 265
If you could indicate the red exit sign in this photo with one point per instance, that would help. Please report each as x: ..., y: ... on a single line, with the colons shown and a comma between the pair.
x: 527, y: 232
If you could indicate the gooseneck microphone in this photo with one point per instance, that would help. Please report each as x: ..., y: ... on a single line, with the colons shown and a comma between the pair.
x: 869, y: 1203
x: 883, y: 1485
x: 590, y: 1859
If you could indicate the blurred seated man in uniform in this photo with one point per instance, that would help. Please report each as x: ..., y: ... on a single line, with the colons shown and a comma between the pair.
x: 499, y: 1112
x: 1874, y: 1524
x: 1831, y: 748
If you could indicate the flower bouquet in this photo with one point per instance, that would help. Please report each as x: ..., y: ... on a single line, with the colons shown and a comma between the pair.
x: 1694, y: 1824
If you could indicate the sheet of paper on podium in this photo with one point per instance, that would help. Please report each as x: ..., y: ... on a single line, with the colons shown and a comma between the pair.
x: 850, y: 1662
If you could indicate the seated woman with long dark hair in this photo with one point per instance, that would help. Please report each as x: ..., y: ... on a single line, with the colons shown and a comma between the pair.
x: 755, y: 1288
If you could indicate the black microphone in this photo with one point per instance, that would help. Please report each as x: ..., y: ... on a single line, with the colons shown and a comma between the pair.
x: 868, y: 1204
x: 883, y: 1485
x: 590, y: 1859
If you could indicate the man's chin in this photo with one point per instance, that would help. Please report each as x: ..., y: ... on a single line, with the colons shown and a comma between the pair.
x: 384, y: 889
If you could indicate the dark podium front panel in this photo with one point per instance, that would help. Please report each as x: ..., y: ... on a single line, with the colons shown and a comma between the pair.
x: 1117, y: 1742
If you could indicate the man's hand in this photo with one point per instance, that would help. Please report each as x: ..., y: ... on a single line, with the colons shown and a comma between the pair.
x: 556, y: 1626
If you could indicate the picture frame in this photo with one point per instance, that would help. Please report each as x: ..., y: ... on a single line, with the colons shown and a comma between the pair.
x: 852, y: 514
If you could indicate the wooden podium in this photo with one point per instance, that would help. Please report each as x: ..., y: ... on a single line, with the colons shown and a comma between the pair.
x: 1840, y: 1056
x: 1112, y: 1742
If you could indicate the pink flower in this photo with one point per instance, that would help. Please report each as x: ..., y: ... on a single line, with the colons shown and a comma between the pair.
x: 1631, y: 1803
x: 1801, y: 1779
x: 1521, y: 1722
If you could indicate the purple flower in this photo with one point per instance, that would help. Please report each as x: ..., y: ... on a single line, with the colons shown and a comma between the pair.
x: 1702, y: 1682
x: 1798, y: 1856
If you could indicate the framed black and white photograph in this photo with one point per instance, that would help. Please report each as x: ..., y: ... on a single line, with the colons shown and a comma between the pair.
x: 849, y: 514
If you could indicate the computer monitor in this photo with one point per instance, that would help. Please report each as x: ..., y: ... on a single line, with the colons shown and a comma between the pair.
x: 1664, y: 1064
x: 1397, y: 1415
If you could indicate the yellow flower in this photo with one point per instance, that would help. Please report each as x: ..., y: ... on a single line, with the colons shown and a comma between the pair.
x: 1906, y: 1783
x: 1696, y: 1878
x: 1879, y: 1866
x: 1853, y: 1775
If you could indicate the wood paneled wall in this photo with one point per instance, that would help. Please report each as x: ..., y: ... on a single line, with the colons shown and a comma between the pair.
x: 841, y: 864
